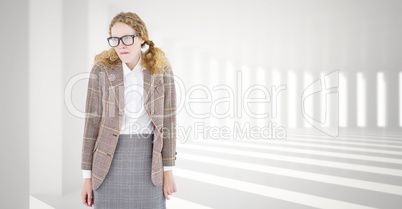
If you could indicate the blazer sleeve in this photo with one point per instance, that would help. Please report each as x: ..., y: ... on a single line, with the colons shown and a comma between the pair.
x: 93, y: 116
x: 169, y: 119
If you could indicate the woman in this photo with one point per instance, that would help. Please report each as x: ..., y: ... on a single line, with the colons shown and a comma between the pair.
x: 129, y: 143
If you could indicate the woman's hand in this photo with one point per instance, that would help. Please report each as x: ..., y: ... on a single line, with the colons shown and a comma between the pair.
x: 169, y: 186
x: 86, y: 193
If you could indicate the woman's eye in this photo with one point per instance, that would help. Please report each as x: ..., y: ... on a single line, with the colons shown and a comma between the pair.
x: 126, y: 38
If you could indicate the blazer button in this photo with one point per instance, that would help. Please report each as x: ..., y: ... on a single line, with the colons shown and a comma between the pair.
x: 175, y: 158
x: 175, y: 153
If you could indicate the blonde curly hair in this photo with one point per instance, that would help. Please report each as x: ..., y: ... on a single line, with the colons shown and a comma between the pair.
x: 154, y: 58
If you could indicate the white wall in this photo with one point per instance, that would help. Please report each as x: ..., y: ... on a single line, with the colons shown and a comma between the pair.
x: 14, y: 105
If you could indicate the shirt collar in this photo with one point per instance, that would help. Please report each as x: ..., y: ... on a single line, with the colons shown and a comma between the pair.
x: 136, y: 69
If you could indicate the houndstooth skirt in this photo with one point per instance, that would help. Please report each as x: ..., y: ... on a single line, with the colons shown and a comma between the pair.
x: 128, y: 183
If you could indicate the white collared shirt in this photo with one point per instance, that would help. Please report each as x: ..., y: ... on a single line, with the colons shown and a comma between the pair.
x: 136, y: 119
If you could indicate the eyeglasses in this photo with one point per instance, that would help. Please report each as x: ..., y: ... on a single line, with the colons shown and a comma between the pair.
x: 127, y: 40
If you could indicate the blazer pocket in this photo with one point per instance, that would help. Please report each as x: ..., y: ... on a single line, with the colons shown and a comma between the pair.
x: 96, y: 146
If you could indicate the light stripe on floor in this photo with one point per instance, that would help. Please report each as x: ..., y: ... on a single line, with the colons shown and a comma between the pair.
x: 272, y: 192
x: 324, y: 163
x: 363, y: 140
x: 363, y: 135
x: 341, y: 141
x: 305, y: 145
x: 177, y: 203
x: 373, y: 186
x: 303, y: 150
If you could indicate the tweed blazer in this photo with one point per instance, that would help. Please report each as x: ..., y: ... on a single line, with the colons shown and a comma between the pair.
x: 104, y: 112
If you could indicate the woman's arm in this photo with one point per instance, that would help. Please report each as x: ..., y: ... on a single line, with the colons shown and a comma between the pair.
x: 93, y: 116
x: 169, y: 119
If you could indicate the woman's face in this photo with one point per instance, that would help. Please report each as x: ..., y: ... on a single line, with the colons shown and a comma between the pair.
x: 127, y: 54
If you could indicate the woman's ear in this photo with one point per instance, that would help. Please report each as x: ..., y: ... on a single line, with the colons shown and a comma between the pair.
x: 142, y: 41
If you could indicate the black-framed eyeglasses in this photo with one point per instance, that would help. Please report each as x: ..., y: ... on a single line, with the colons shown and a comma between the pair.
x: 127, y: 40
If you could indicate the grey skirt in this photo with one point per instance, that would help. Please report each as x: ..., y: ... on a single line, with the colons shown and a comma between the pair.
x: 128, y: 183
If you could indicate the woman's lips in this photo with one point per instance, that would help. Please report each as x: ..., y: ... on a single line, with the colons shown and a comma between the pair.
x: 123, y: 52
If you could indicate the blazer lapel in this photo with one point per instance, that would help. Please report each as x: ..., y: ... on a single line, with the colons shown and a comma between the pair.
x: 151, y: 83
x: 116, y: 79
x: 147, y: 85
